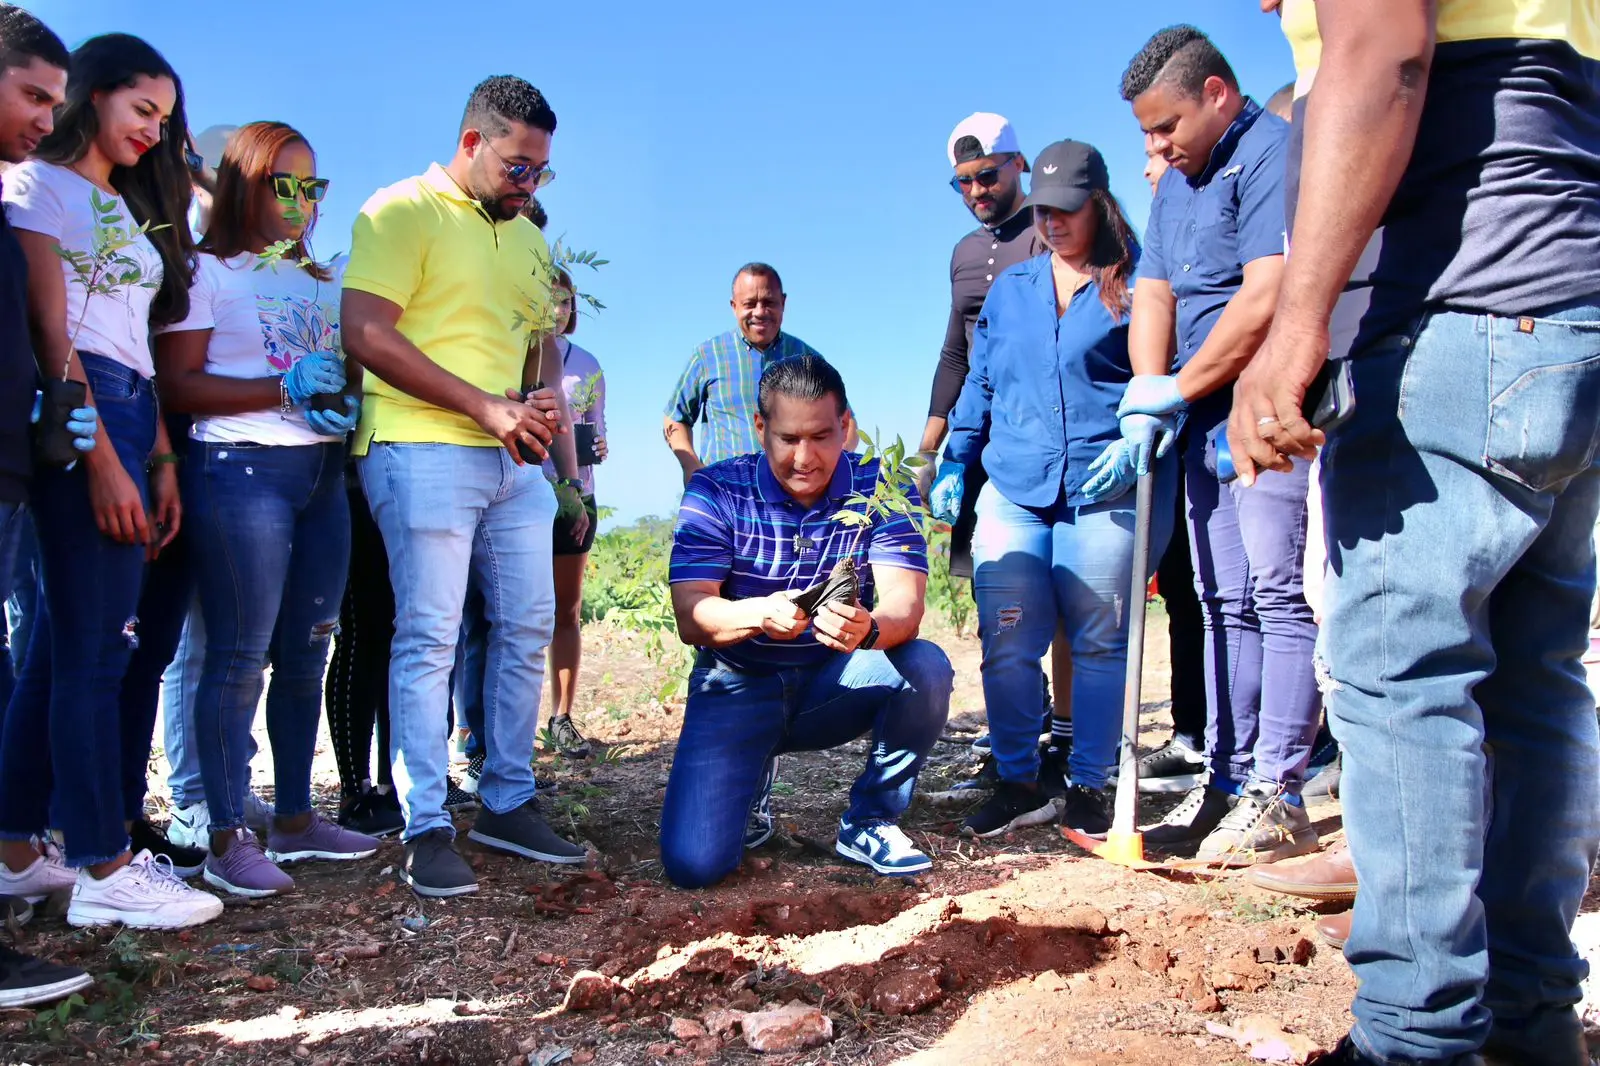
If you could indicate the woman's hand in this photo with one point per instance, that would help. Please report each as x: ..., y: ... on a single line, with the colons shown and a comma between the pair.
x: 600, y: 449
x: 166, y: 505
x: 118, y: 507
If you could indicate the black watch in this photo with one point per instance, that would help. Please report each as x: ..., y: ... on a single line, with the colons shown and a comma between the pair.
x: 871, y: 639
x: 570, y: 483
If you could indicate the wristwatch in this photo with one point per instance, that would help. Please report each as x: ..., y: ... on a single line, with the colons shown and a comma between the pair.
x: 570, y: 483
x: 871, y: 639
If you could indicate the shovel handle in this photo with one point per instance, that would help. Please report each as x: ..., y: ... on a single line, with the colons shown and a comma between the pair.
x: 1124, y: 817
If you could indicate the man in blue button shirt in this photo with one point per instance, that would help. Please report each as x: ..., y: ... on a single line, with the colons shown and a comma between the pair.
x: 752, y: 532
x: 1208, y: 285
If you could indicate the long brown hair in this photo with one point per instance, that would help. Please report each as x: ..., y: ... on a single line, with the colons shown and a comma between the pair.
x: 1111, y: 260
x: 236, y: 207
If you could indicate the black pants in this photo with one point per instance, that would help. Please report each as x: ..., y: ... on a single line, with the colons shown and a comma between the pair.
x: 1185, y: 633
x: 358, y: 672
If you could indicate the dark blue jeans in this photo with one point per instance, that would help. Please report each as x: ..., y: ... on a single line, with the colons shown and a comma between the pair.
x: 269, y: 528
x: 737, y: 720
x: 67, y: 702
x: 16, y: 535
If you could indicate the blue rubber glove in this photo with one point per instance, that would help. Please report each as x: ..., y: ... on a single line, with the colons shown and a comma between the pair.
x: 1112, y: 474
x: 1152, y: 394
x: 332, y: 423
x: 945, y: 499
x: 1147, y: 436
x: 318, y: 372
x: 82, y: 422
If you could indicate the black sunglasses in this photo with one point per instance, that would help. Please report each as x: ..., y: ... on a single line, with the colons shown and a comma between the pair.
x: 193, y: 160
x: 289, y: 187
x: 986, y: 178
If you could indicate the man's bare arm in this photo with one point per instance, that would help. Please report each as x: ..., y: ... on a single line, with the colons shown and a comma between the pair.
x: 1238, y: 334
x: 1153, y: 329
x: 902, y: 598
x: 680, y: 438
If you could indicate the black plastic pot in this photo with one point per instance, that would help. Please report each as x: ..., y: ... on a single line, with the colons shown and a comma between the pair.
x: 51, y: 439
x: 329, y: 401
x: 583, y: 435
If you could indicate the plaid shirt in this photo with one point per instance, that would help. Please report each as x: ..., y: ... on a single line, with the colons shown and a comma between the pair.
x: 737, y: 526
x: 718, y: 389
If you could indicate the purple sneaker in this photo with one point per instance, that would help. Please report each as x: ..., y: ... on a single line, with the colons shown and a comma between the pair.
x: 321, y: 839
x: 245, y: 870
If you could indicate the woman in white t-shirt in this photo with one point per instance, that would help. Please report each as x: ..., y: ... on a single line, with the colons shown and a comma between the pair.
x: 70, y: 758
x: 257, y: 362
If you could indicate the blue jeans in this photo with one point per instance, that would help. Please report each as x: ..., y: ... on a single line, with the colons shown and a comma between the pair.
x: 270, y: 533
x: 68, y: 700
x: 1248, y: 548
x: 472, y: 654
x: 737, y: 720
x: 1035, y: 568
x: 178, y: 687
x: 447, y: 513
x: 16, y: 536
x: 1461, y: 502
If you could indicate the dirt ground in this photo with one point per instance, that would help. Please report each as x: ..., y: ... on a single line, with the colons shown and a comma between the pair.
x: 1021, y: 950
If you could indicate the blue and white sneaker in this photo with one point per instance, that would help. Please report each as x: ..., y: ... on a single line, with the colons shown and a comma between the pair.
x: 883, y: 847
x: 760, y: 825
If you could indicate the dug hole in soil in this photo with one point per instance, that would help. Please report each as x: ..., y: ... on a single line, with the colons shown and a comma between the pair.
x: 1015, y: 950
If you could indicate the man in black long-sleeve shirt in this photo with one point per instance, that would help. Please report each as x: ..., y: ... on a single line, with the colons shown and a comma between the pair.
x: 989, y: 165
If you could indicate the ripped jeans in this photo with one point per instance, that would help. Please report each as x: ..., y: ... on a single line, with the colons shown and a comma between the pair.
x: 269, y: 527
x: 68, y: 759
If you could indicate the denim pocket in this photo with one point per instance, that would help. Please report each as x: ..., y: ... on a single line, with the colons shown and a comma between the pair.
x: 1544, y: 399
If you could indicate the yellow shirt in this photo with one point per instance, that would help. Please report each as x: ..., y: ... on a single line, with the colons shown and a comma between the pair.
x: 470, y: 293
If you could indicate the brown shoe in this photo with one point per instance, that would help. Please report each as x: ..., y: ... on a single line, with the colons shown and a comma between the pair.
x: 1330, y: 876
x: 1335, y: 929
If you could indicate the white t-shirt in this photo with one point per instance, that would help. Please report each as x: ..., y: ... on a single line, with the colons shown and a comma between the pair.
x: 56, y: 202
x: 262, y: 322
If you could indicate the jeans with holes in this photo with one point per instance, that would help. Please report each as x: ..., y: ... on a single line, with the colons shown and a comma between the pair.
x: 270, y: 533
x: 1461, y: 501
x: 735, y: 721
x: 449, y: 513
x: 68, y: 700
x: 1249, y: 562
x: 1040, y: 566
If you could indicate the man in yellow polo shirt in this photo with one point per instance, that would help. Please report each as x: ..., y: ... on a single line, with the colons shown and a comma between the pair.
x: 1446, y: 241
x: 445, y: 291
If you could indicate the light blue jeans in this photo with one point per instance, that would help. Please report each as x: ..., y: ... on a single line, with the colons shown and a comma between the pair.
x: 1035, y: 566
x: 1460, y: 503
x: 178, y: 686
x: 448, y: 512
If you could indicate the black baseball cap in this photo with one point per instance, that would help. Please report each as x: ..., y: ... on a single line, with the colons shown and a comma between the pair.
x: 1064, y: 175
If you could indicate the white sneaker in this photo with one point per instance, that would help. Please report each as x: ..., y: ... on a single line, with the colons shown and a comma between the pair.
x: 190, y: 826
x: 145, y: 894
x: 47, y: 874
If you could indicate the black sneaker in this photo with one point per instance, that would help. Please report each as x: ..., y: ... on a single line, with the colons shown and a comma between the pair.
x: 760, y: 825
x: 1012, y: 806
x: 567, y: 739
x: 457, y: 798
x: 374, y: 813
x: 1347, y: 1054
x: 1325, y: 785
x: 1088, y: 810
x: 434, y: 868
x: 186, y: 861
x: 1176, y: 767
x: 1552, y: 1035
x: 524, y: 832
x: 15, y: 911
x: 1191, y: 821
x: 26, y: 981
x: 1054, y: 775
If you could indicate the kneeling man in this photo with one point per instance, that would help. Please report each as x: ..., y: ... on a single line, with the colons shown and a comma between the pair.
x: 768, y: 679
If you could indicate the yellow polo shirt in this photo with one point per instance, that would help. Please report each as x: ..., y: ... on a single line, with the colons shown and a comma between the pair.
x: 469, y: 290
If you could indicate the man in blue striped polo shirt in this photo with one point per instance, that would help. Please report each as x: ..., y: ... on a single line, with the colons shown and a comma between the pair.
x: 754, y: 531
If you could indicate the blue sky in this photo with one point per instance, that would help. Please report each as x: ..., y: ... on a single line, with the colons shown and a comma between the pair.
x: 695, y: 137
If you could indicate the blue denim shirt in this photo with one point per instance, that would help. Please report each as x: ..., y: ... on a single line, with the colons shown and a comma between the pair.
x: 1203, y: 230
x: 1040, y: 401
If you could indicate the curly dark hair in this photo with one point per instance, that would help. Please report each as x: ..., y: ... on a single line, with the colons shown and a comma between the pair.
x: 23, y: 38
x: 1179, y: 57
x: 503, y: 99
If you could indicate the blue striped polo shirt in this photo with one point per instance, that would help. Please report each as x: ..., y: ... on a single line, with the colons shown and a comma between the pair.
x: 737, y: 526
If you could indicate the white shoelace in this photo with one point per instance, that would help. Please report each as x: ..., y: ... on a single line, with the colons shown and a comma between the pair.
x: 155, y: 873
x: 894, y: 838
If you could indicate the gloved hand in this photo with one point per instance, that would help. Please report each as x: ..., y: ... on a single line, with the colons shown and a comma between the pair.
x: 945, y: 498
x: 1152, y: 394
x: 1147, y: 435
x: 334, y: 423
x: 83, y: 423
x: 318, y: 372
x: 1112, y: 474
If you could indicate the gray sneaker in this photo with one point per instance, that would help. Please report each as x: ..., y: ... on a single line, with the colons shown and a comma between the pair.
x: 1262, y: 827
x: 760, y: 825
x: 319, y: 840
x: 245, y: 869
x: 567, y: 739
x: 434, y: 868
x: 524, y: 832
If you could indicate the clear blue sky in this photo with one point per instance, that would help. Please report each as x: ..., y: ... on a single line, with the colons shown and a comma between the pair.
x: 696, y: 136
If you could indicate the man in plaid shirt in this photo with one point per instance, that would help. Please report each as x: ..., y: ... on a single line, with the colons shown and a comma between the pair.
x: 718, y: 387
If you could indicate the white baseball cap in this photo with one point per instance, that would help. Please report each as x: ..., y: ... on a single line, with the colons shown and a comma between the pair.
x: 993, y: 134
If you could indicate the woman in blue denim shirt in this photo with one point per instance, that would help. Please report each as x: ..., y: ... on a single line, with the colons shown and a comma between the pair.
x: 1054, y: 540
